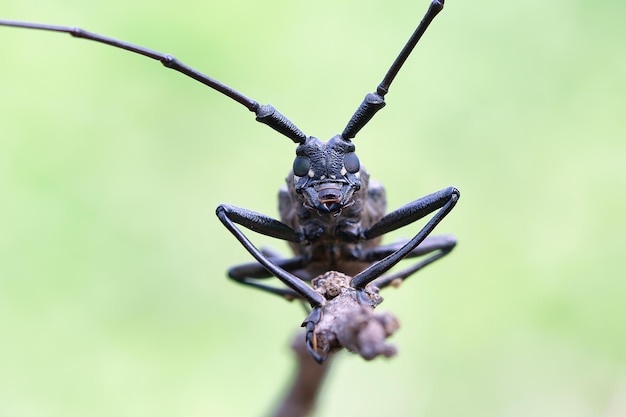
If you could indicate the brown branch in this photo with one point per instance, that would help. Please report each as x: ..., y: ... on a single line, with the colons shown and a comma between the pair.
x: 306, y: 384
x: 348, y: 320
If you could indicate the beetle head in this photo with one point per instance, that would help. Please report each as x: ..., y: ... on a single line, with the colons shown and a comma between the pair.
x: 326, y: 174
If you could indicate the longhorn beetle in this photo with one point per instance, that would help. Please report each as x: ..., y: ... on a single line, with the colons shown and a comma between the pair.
x: 331, y: 214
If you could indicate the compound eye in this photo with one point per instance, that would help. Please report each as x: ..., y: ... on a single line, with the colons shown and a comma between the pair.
x: 351, y: 163
x: 301, y: 166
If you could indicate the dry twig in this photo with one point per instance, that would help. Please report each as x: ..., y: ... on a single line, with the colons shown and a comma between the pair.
x: 348, y: 321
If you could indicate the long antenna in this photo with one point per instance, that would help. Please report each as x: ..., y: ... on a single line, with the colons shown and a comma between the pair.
x: 266, y: 113
x: 376, y: 101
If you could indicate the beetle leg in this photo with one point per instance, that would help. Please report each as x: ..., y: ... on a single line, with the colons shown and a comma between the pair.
x: 435, y: 247
x: 251, y: 274
x: 229, y: 215
x: 441, y: 201
x: 310, y: 323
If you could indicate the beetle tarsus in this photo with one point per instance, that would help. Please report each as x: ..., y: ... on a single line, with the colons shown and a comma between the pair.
x: 310, y: 324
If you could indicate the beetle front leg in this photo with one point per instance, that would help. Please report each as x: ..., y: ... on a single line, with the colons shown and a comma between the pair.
x: 311, y: 321
x: 433, y: 247
x: 411, y: 212
x: 250, y: 274
x: 441, y: 201
x: 260, y: 223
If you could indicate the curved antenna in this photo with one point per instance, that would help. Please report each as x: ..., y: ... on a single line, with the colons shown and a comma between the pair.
x: 266, y: 113
x: 376, y: 101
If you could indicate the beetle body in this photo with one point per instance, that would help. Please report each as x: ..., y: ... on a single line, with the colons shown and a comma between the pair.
x: 330, y: 207
x: 332, y: 215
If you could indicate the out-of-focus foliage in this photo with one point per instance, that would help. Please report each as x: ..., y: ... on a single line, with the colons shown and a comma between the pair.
x: 113, y: 295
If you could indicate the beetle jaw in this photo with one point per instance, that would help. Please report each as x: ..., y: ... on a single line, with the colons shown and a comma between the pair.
x: 328, y: 196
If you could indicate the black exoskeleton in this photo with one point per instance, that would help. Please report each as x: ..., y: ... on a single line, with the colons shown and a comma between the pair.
x: 332, y: 215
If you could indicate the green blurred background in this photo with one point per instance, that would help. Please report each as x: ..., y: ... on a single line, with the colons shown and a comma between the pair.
x: 113, y: 295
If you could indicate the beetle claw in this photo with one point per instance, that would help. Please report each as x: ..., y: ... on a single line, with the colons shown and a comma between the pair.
x: 310, y: 323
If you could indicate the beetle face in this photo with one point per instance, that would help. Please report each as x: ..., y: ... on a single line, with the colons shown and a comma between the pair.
x: 326, y: 174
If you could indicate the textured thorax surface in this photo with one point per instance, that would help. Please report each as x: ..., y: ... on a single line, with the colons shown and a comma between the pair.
x: 333, y: 238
